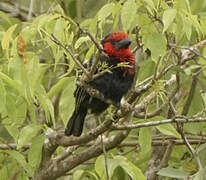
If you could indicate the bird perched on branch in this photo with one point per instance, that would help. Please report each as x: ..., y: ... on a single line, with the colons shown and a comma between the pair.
x: 113, y: 85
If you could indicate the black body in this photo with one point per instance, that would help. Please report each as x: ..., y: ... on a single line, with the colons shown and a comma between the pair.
x: 112, y: 85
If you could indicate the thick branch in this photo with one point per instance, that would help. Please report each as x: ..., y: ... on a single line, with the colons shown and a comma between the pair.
x: 76, y: 159
x: 89, y: 136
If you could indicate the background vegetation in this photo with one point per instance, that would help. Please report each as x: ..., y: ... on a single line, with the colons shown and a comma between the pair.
x: 159, y: 131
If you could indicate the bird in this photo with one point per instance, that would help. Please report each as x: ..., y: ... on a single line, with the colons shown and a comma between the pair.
x: 113, y: 84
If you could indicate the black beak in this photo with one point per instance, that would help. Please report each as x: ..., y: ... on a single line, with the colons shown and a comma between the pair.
x: 123, y: 44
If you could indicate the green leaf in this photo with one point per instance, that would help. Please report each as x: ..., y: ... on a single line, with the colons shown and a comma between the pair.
x: 189, y: 70
x: 157, y: 43
x: 119, y: 173
x: 35, y: 73
x: 91, y: 175
x: 168, y: 129
x: 44, y: 19
x: 46, y: 104
x: 2, y: 96
x: 4, y: 174
x: 145, y: 139
x: 173, y: 173
x: 187, y: 27
x: 11, y: 108
x: 20, y: 159
x: 26, y: 134
x: 203, y: 25
x: 200, y: 175
x: 100, y: 166
x: 32, y: 113
x: 194, y: 21
x: 80, y: 41
x: 5, y: 17
x: 89, y: 53
x: 21, y: 110
x: 147, y: 27
x: 7, y: 38
x: 197, y: 104
x: 35, y: 151
x: 13, y: 131
x: 12, y: 83
x: 70, y: 38
x: 182, y: 5
x: 59, y: 9
x: 17, y: 71
x: 29, y: 33
x: 178, y: 29
x: 58, y: 30
x: 197, y: 7
x: 168, y: 17
x: 78, y: 174
x: 71, y: 66
x: 23, y: 176
x: 59, y: 33
x: 147, y: 69
x: 150, y: 3
x: 115, y: 15
x: 67, y: 100
x: 204, y: 97
x: 128, y: 13
x: 105, y: 11
x: 93, y: 25
x: 58, y: 86
x: 133, y: 171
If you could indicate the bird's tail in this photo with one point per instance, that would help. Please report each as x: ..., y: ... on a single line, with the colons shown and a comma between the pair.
x: 76, y: 122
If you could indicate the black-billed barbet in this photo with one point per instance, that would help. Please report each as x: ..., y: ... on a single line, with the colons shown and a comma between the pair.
x: 113, y: 85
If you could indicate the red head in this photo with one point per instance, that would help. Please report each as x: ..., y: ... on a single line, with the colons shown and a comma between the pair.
x: 116, y: 44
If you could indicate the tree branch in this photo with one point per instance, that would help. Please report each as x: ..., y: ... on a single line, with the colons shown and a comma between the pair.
x: 156, y: 123
x: 76, y: 159
x: 56, y: 41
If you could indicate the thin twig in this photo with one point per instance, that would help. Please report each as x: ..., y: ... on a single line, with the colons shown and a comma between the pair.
x: 105, y: 153
x: 165, y: 159
x: 30, y: 10
x: 96, y: 58
x: 139, y: 45
x: 55, y: 40
x: 94, y: 65
x: 142, y: 106
x: 105, y: 157
x: 160, y: 141
x: 65, y: 154
x: 156, y: 68
x: 189, y: 52
x: 91, y: 37
x: 158, y: 110
x: 156, y: 123
x: 193, y: 152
